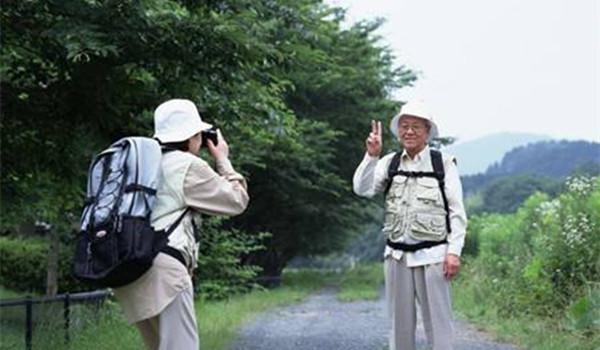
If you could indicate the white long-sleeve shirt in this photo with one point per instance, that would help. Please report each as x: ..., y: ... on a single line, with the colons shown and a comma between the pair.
x: 370, y: 178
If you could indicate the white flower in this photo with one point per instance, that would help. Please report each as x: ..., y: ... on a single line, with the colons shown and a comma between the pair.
x: 549, y: 208
x: 580, y: 185
x: 576, y: 229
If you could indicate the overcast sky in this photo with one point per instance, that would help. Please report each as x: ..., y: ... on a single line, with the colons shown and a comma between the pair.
x: 497, y: 65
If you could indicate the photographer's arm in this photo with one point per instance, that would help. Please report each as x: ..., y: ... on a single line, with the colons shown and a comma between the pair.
x: 213, y: 193
x: 217, y: 193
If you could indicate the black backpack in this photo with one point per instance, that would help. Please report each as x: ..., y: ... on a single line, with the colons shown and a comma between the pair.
x: 116, y: 243
x: 438, y: 173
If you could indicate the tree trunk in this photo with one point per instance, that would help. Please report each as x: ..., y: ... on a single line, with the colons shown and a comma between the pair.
x: 272, y: 263
x: 52, y: 267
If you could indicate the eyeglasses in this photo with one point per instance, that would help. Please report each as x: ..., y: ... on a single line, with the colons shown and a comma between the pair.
x: 416, y: 128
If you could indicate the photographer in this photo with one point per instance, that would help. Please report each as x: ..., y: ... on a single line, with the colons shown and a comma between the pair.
x: 161, y: 302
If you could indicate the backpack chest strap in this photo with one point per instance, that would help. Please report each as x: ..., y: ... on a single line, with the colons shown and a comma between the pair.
x: 438, y: 173
x: 432, y: 174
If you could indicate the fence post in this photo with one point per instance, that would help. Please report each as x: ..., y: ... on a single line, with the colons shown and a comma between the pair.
x: 67, y: 315
x: 28, y: 322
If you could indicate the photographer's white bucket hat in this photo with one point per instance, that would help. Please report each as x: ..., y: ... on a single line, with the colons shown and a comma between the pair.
x: 177, y: 120
x: 417, y: 109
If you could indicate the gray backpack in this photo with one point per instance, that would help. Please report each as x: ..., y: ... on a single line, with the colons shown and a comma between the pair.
x: 116, y: 243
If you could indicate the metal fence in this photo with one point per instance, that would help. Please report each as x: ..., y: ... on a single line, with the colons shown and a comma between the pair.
x: 46, y: 318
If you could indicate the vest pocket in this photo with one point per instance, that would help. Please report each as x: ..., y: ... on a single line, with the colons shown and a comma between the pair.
x: 428, y: 193
x: 397, y: 186
x: 391, y: 223
x: 428, y: 227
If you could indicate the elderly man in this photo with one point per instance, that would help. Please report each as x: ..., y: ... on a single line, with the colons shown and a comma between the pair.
x: 424, y: 224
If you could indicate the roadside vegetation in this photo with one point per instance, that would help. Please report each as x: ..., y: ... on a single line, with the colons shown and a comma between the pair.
x: 533, y: 276
x: 218, y: 320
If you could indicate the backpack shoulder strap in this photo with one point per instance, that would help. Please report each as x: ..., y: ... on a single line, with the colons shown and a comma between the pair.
x: 437, y: 164
x: 177, y: 222
x: 438, y: 169
x: 166, y: 149
x: 392, y: 171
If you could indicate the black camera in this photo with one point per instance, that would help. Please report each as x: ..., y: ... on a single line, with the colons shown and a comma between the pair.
x: 209, y: 134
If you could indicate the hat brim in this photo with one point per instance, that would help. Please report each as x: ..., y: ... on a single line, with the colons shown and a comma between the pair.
x: 182, y: 135
x: 433, y: 131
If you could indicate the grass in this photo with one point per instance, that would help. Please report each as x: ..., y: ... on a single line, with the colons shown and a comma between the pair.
x: 108, y: 330
x: 89, y: 329
x: 528, y: 332
x: 361, y: 283
x: 533, y: 333
x: 9, y: 294
x: 218, y: 321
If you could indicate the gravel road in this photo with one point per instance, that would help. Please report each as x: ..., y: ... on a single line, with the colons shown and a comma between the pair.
x: 322, y: 322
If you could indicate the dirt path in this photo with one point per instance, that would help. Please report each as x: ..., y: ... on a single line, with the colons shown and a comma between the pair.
x: 322, y: 322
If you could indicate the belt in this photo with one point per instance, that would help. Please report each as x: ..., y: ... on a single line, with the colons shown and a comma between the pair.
x: 174, y: 253
x: 413, y: 247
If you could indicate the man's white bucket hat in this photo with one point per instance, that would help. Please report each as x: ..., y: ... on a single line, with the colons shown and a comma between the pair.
x: 177, y: 120
x: 417, y: 109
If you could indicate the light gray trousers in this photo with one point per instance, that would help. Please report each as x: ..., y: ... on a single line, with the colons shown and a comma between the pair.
x: 174, y: 328
x: 426, y: 284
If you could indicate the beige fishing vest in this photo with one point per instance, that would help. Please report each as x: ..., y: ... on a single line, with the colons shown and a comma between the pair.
x: 414, y: 209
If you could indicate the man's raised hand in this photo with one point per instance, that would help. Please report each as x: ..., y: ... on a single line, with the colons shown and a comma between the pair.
x: 374, y: 142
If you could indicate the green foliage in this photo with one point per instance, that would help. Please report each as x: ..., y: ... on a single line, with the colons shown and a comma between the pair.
x: 543, y: 259
x: 506, y: 194
x: 8, y: 293
x: 363, y: 282
x: 584, y: 313
x: 474, y: 299
x: 548, y: 159
x: 220, y: 272
x: 473, y: 202
x: 23, y: 265
x: 292, y: 91
x: 218, y: 320
x: 472, y: 241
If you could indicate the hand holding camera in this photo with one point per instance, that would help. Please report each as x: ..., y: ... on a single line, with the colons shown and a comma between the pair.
x: 216, y: 144
x: 209, y: 134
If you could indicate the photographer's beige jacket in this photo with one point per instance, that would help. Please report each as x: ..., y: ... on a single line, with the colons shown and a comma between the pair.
x: 185, y: 181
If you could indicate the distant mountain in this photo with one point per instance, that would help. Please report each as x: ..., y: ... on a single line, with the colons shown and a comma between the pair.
x: 549, y: 158
x: 477, y: 155
x: 553, y: 159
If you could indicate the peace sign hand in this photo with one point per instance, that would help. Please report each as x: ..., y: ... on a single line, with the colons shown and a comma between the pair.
x: 374, y: 142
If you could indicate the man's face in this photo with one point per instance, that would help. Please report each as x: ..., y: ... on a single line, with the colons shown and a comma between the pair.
x: 413, y: 133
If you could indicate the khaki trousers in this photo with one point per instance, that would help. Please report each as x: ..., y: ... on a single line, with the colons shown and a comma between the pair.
x: 174, y: 328
x: 404, y: 287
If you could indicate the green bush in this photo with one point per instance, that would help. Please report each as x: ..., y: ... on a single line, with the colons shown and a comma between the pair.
x: 221, y: 269
x: 543, y: 258
x: 584, y: 313
x: 566, y: 232
x: 23, y: 265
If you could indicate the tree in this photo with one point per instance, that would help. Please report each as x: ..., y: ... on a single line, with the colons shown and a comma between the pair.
x: 506, y: 194
x: 341, y: 79
x: 292, y: 91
